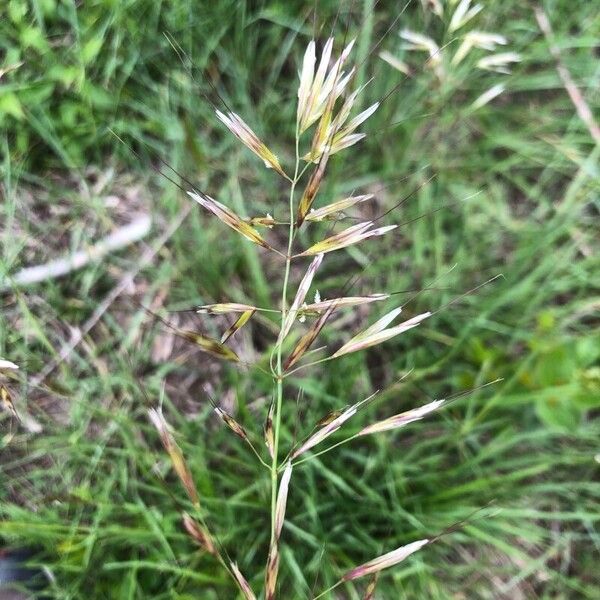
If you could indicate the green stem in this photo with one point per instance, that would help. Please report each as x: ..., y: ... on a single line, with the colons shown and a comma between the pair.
x: 313, y: 456
x: 279, y: 367
x: 328, y: 590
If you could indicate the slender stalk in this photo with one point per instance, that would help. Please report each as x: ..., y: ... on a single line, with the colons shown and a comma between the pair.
x: 279, y: 367
x: 313, y: 456
x: 327, y: 590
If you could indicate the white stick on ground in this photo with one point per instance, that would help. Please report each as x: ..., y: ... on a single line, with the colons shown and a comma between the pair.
x: 122, y: 285
x: 121, y: 238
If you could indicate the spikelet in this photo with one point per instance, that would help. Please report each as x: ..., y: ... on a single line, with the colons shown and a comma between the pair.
x: 463, y: 14
x: 499, y: 62
x: 242, y: 582
x: 224, y: 308
x: 240, y: 129
x: 299, y: 298
x: 272, y: 571
x: 268, y: 430
x: 306, y: 79
x: 337, y: 137
x: 331, y: 210
x: 199, y: 534
x: 232, y: 424
x: 7, y: 403
x: 239, y: 323
x: 208, y: 345
x: 230, y: 218
x: 385, y: 561
x: 370, y: 591
x: 316, y: 89
x: 330, y: 427
x: 308, y: 338
x: 175, y: 454
x: 318, y: 307
x: 395, y: 62
x: 487, y: 96
x: 418, y: 41
x: 312, y: 187
x: 282, y: 495
x: 348, y: 237
x: 267, y: 221
x: 377, y: 333
x: 478, y: 39
x: 403, y: 419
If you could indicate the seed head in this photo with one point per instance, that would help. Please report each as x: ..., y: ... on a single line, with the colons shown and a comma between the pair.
x: 348, y: 237
x: 208, y: 345
x: 272, y: 571
x: 386, y: 560
x: 378, y: 333
x: 268, y: 430
x: 224, y: 308
x: 230, y: 218
x: 242, y: 582
x: 232, y: 424
x: 282, y: 495
x: 7, y: 402
x: 303, y: 288
x: 463, y: 14
x: 239, y: 323
x: 402, y: 419
x: 316, y: 89
x: 240, y: 129
x: 199, y: 534
x: 499, y: 62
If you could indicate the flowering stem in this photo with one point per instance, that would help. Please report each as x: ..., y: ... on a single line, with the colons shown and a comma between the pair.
x: 279, y: 367
x: 327, y: 590
x: 313, y: 456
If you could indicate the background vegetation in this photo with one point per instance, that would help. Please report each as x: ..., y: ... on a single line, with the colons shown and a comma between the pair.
x: 91, y: 493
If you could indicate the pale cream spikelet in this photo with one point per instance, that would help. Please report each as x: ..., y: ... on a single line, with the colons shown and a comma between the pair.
x: 240, y: 129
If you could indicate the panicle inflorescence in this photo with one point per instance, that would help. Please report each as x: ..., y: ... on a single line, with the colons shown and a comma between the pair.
x: 448, y: 59
x: 325, y: 103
